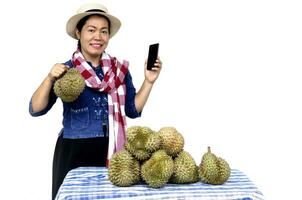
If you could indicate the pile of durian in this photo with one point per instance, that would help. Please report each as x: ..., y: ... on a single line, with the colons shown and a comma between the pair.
x: 158, y: 158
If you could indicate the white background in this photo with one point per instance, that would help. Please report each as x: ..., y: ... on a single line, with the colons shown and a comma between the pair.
x: 231, y: 80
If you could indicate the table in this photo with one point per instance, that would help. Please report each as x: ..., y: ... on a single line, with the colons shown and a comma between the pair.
x: 86, y: 183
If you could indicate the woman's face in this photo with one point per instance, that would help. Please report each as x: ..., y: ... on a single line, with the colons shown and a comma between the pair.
x: 94, y: 37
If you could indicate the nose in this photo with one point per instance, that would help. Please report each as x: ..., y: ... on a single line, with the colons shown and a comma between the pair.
x: 97, y: 36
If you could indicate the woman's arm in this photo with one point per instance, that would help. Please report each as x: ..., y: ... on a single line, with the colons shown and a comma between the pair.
x: 150, y: 77
x: 40, y: 97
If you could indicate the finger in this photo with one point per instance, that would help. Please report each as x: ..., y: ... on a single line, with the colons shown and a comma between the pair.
x: 159, y: 61
x: 66, y: 68
x: 59, y: 71
x: 63, y: 69
x: 155, y: 69
x: 157, y: 65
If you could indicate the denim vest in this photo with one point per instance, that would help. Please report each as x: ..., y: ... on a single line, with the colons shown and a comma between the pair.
x: 88, y: 114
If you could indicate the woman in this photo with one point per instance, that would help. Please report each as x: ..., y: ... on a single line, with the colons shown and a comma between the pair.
x: 93, y: 124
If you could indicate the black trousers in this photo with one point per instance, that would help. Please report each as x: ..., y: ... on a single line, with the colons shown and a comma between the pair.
x: 73, y: 153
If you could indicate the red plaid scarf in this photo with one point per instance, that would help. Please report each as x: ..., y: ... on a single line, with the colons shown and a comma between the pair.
x: 113, y: 84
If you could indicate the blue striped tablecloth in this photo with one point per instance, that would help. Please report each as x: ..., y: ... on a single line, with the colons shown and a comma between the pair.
x: 85, y: 183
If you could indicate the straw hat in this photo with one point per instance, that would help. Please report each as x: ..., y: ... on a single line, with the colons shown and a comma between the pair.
x: 89, y: 9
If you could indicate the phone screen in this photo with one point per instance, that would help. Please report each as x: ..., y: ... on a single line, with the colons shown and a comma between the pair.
x: 152, y: 55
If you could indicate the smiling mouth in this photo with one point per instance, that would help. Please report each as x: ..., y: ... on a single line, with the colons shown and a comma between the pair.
x: 96, y: 45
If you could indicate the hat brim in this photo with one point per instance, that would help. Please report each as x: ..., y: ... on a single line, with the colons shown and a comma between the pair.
x: 71, y: 28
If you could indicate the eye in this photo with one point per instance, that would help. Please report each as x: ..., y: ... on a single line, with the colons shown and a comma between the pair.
x: 91, y: 30
x: 105, y: 31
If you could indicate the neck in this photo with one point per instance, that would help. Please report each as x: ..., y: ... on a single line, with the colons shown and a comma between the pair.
x: 94, y: 60
x: 95, y: 63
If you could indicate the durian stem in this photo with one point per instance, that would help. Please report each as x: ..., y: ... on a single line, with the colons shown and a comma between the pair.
x: 209, y: 149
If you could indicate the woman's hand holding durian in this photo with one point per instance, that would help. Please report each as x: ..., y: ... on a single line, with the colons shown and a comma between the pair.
x: 57, y: 71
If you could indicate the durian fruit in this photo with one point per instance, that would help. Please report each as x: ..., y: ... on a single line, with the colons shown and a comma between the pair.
x: 172, y: 140
x: 140, y: 142
x: 123, y: 169
x: 185, y: 169
x: 157, y: 171
x: 153, y: 142
x: 132, y: 131
x: 70, y: 85
x: 213, y: 170
x: 224, y: 172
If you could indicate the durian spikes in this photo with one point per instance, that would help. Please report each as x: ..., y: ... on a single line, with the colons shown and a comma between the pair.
x: 185, y: 169
x: 172, y: 140
x: 141, y: 142
x: 158, y: 169
x: 70, y: 85
x: 123, y: 170
x: 153, y: 142
x: 213, y: 170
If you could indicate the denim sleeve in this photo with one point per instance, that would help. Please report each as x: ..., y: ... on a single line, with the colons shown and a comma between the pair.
x: 52, y: 100
x: 130, y: 108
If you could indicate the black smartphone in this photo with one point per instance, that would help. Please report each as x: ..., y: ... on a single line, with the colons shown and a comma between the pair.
x: 152, y: 55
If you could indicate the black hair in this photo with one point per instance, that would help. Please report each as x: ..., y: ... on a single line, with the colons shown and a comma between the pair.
x: 82, y: 22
